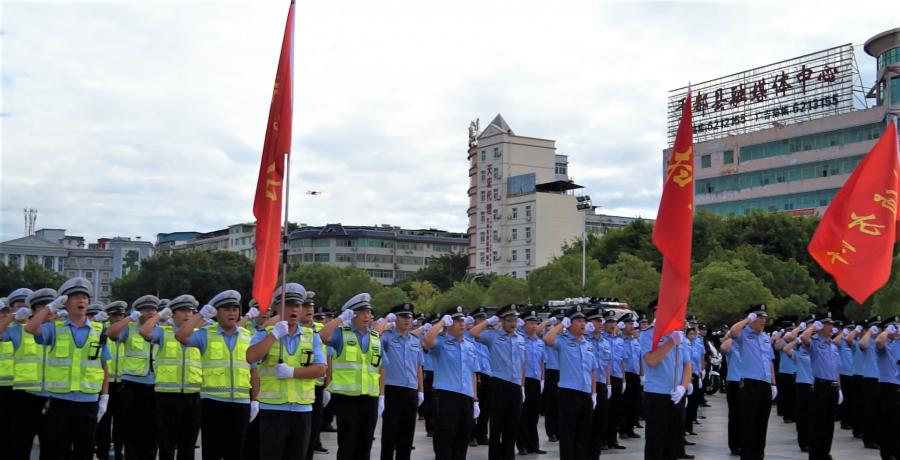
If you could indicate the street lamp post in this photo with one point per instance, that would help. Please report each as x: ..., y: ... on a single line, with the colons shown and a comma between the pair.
x: 584, y: 205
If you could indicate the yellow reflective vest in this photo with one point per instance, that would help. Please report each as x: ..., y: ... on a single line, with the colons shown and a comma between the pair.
x: 30, y: 365
x: 179, y: 369
x: 273, y: 390
x: 6, y: 364
x: 71, y: 368
x: 354, y: 372
x: 226, y: 373
x: 138, y: 353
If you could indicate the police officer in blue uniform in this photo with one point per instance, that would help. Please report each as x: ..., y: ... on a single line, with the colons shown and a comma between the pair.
x: 803, y: 381
x: 846, y: 373
x: 603, y: 355
x: 786, y: 375
x: 403, y: 386
x: 826, y: 361
x: 507, y: 355
x: 550, y: 394
x: 455, y: 362
x: 613, y: 334
x: 887, y: 351
x: 855, y: 402
x: 111, y: 428
x: 758, y: 383
x: 871, y: 407
x: 631, y: 397
x: 667, y: 375
x: 528, y: 440
x: 732, y: 392
x: 577, y: 382
x: 483, y: 376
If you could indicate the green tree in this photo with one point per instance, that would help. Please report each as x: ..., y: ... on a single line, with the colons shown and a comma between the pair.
x: 886, y: 301
x: 33, y: 277
x: 319, y: 278
x: 629, y: 279
x: 467, y: 295
x: 721, y: 291
x: 634, y: 238
x: 387, y: 299
x: 793, y: 305
x: 551, y: 282
x: 506, y: 290
x: 423, y: 295
x: 443, y: 271
x: 351, y: 281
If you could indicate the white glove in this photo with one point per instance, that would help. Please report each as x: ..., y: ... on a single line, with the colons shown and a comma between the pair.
x: 840, y: 397
x: 624, y: 385
x: 135, y: 315
x: 700, y: 382
x: 469, y: 321
x: 774, y: 392
x: 254, y: 409
x: 101, y: 317
x: 427, y: 327
x: 553, y: 321
x: 858, y: 329
x: 845, y: 331
x: 391, y: 317
x: 380, y: 405
x: 776, y: 335
x: 751, y: 317
x: 542, y: 386
x: 493, y: 320
x: 593, y: 401
x: 283, y: 371
x: 567, y: 323
x: 690, y: 389
x: 346, y: 316
x: 676, y: 337
x: 620, y: 325
x: 609, y: 392
x: 208, y: 312
x: 62, y: 314
x: 165, y: 314
x: 818, y: 325
x: 589, y: 327
x: 280, y: 330
x: 635, y: 324
x: 642, y: 379
x: 520, y: 322
x: 891, y: 329
x: 23, y: 313
x: 802, y: 327
x: 252, y: 313
x: 101, y: 406
x: 209, y: 321
x: 476, y: 411
x: 421, y: 399
x: 677, y: 394
x: 523, y: 394
x: 58, y: 303
x: 447, y: 320
x: 873, y: 330
x: 389, y: 326
x: 326, y: 397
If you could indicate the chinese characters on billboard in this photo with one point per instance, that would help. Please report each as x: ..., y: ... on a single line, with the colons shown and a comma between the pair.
x: 800, y: 89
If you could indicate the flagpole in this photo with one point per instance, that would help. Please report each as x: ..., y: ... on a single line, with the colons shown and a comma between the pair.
x: 284, y: 245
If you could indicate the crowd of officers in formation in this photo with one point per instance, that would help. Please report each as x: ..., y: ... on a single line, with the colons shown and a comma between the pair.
x: 144, y: 379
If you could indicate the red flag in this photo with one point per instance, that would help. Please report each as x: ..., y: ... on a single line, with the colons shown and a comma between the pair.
x: 673, y: 229
x: 269, y: 185
x: 855, y: 238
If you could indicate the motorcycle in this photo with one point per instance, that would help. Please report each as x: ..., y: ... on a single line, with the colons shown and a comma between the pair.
x: 712, y: 381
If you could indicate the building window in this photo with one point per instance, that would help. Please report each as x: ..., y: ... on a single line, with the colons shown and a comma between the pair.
x: 481, y: 175
x: 481, y: 237
x: 496, y: 194
x: 323, y: 258
x: 514, y: 275
x: 728, y: 157
x: 106, y: 261
x: 515, y: 213
x: 496, y: 152
x: 481, y: 258
x: 515, y: 255
x: 705, y: 161
x: 561, y: 168
x: 89, y: 261
x: 515, y: 233
x: 104, y: 288
x: 48, y: 263
x: 527, y: 272
x: 346, y: 258
x: 527, y: 211
x: 104, y: 276
x: 61, y: 265
x: 72, y: 274
x: 441, y: 247
x: 527, y: 233
x: 481, y: 195
x: 483, y: 155
x: 89, y: 275
x: 496, y: 238
x: 527, y: 254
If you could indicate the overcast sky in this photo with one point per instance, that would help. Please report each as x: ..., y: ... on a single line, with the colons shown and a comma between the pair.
x: 130, y: 118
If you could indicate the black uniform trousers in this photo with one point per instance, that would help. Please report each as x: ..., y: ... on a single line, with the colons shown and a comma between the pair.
x: 6, y: 399
x: 427, y: 408
x: 785, y: 400
x: 224, y: 427
x: 30, y: 422
x: 871, y: 408
x: 693, y: 403
x: 528, y: 439
x: 111, y: 428
x: 549, y: 400
x: 177, y: 424
x: 631, y: 403
x: 598, y: 423
x: 825, y: 398
x: 663, y: 431
x: 480, y: 428
x: 356, y: 420
x: 756, y: 403
x: 454, y: 417
x: 398, y: 422
x: 857, y: 407
x: 70, y: 429
x: 140, y: 430
x: 890, y: 420
x: 315, y: 429
x: 283, y: 435
x: 732, y: 395
x: 614, y: 414
x: 575, y: 415
x: 803, y: 399
x: 844, y: 409
x: 506, y: 407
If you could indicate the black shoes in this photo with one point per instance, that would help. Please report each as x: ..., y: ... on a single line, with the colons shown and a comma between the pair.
x: 320, y: 450
x: 522, y: 452
x: 685, y: 456
x: 632, y: 435
x: 473, y: 443
x: 688, y: 443
x: 329, y: 429
x: 553, y: 438
x: 616, y: 446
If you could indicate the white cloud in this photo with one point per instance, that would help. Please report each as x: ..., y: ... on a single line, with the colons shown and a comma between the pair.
x: 137, y: 117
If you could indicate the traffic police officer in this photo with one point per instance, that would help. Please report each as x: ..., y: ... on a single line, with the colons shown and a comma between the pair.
x: 887, y: 346
x: 507, y: 355
x: 290, y: 359
x: 803, y: 381
x: 667, y: 374
x: 76, y: 366
x: 225, y: 405
x: 403, y: 386
x: 846, y: 374
x: 577, y: 382
x: 16, y: 300
x: 527, y: 439
x: 785, y: 378
x: 179, y: 376
x: 826, y: 361
x: 631, y: 397
x: 483, y: 377
x: 309, y: 319
x: 757, y: 371
x: 138, y: 396
x: 871, y: 401
x: 550, y: 394
x: 603, y: 353
x: 356, y: 380
x: 616, y: 378
x: 455, y: 361
x: 732, y: 392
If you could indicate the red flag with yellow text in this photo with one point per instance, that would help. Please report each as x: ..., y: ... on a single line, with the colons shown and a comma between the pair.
x: 269, y: 185
x: 854, y: 241
x: 674, y: 228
